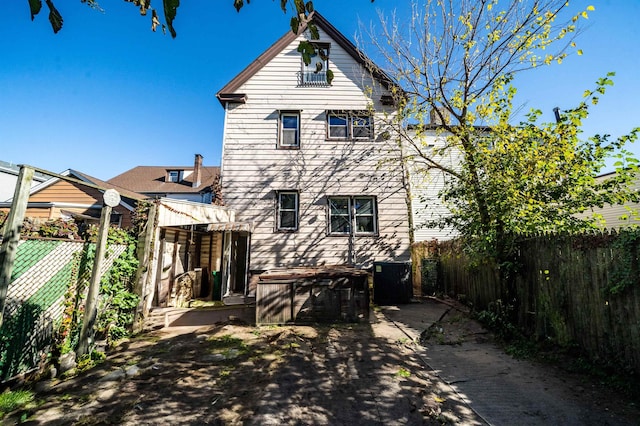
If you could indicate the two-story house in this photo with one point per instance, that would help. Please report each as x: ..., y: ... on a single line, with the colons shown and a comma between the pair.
x: 306, y: 159
x: 424, y: 147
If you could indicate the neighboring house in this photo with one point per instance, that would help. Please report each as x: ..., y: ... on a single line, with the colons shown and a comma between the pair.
x: 66, y: 199
x: 9, y: 177
x: 197, y: 183
x: 305, y: 158
x: 425, y: 184
x: 614, y: 216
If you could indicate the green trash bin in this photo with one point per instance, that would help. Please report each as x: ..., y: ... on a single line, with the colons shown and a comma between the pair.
x: 217, y: 287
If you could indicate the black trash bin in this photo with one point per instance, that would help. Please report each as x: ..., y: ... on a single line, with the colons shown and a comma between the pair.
x: 392, y: 284
x: 217, y: 285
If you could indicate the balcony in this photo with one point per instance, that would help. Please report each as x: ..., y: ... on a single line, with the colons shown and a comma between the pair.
x: 313, y: 79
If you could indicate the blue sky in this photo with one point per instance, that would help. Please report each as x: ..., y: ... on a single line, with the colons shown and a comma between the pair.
x: 106, y: 94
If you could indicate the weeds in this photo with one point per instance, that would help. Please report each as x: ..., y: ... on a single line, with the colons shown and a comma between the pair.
x: 404, y: 373
x: 88, y: 361
x: 13, y: 400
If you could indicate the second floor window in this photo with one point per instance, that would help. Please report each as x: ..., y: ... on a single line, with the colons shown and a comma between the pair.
x: 289, y: 129
x: 349, y: 125
x: 173, y: 176
x: 287, y: 211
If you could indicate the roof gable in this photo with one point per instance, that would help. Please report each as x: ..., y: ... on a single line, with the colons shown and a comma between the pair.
x: 73, y: 182
x: 228, y: 92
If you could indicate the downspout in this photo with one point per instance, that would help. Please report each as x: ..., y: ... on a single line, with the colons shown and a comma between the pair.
x: 224, y: 139
x: 352, y: 232
x: 406, y: 183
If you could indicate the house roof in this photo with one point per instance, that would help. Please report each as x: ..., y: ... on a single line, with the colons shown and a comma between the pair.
x: 92, y: 181
x: 124, y: 192
x: 152, y: 180
x: 227, y: 93
x: 14, y: 169
x: 82, y: 178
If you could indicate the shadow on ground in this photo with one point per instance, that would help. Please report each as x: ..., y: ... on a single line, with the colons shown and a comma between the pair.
x: 232, y: 373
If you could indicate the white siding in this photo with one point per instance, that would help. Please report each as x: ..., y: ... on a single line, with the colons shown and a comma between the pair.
x: 254, y: 169
x: 426, y: 204
x: 617, y: 216
x: 8, y: 180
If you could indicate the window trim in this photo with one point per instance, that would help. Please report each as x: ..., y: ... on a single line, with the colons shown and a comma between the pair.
x: 351, y: 117
x: 353, y: 215
x: 281, y: 128
x: 369, y: 126
x: 177, y: 173
x: 279, y: 210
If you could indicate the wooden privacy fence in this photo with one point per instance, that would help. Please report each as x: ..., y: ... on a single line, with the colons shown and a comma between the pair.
x: 563, y: 289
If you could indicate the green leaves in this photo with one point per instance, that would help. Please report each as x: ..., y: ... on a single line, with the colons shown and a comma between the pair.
x: 534, y: 177
x: 295, y: 24
x: 54, y: 17
x: 238, y: 4
x: 170, y: 10
x: 307, y: 50
x: 35, y: 6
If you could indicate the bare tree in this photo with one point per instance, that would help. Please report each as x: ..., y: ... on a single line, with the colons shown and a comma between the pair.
x: 453, y: 58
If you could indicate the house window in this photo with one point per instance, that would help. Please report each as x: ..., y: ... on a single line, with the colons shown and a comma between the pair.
x: 173, y: 176
x: 361, y: 127
x: 349, y: 125
x: 317, y: 73
x: 287, y: 211
x: 359, y: 212
x: 289, y: 129
x: 338, y: 128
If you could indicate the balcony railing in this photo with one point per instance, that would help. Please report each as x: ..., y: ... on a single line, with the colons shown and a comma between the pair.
x: 316, y: 79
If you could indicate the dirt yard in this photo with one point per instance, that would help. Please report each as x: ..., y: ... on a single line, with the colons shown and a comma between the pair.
x: 360, y: 374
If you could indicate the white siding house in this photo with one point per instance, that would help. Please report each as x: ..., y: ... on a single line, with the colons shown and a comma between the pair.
x: 427, y: 206
x: 616, y: 216
x: 304, y: 157
x: 9, y: 178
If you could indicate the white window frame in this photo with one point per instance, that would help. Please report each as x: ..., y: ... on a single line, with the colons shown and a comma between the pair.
x: 368, y: 126
x: 171, y: 174
x: 282, y: 129
x: 344, y: 126
x: 351, y: 126
x: 280, y: 210
x: 353, y: 215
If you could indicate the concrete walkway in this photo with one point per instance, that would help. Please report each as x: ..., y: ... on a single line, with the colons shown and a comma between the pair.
x: 498, y: 388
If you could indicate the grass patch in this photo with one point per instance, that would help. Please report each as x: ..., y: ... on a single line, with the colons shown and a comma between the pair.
x: 225, y: 344
x: 13, y: 400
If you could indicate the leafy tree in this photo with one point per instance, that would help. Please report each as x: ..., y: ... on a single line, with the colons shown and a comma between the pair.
x: 536, y: 177
x: 454, y: 60
x: 301, y: 17
x: 300, y: 8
